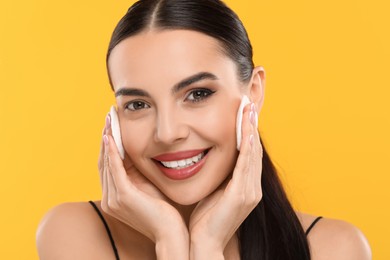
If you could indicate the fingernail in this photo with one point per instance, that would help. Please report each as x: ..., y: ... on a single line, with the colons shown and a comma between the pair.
x: 105, y: 139
x: 251, y: 139
x: 252, y: 117
x: 257, y: 119
x: 108, y: 121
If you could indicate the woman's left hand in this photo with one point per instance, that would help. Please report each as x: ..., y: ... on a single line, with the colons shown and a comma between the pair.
x: 216, y: 218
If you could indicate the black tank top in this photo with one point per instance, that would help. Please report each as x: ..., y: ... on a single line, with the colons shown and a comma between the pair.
x: 113, y: 242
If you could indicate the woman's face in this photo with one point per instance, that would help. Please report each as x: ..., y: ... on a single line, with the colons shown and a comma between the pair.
x: 177, y: 97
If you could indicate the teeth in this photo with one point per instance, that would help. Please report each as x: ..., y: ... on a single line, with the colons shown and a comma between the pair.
x: 183, y: 163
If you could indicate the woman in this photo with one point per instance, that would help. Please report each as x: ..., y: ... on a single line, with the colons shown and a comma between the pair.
x: 179, y: 69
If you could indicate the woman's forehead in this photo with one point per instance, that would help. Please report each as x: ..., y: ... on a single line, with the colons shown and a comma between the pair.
x: 167, y: 55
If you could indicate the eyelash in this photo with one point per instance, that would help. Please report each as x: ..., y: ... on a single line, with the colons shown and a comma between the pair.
x: 203, y: 91
x: 127, y: 105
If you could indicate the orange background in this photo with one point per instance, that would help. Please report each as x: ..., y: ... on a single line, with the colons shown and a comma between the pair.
x: 325, y: 119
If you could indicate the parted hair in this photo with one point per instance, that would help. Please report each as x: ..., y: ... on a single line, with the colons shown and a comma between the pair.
x: 272, y: 231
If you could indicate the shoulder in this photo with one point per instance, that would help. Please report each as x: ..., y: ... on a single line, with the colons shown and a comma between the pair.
x: 72, y: 231
x: 335, y: 239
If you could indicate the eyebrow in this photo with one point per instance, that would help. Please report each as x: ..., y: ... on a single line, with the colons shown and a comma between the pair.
x: 176, y: 88
x: 193, y: 79
x: 131, y: 92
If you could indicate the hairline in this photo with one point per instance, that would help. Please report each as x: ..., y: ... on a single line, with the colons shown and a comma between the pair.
x: 153, y: 27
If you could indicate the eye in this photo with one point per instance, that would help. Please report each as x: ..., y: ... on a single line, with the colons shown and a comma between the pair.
x: 136, y: 105
x: 197, y: 95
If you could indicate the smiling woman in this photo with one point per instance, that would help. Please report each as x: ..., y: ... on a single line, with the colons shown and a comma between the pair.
x: 177, y: 110
x: 179, y: 70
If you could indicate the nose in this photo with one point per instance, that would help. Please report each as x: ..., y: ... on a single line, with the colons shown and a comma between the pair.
x: 171, y: 127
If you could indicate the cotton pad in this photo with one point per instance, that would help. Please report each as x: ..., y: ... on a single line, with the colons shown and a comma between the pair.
x: 116, y: 132
x: 244, y: 101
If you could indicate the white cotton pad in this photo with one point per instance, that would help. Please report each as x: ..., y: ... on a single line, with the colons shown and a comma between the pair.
x: 244, y: 101
x: 116, y: 132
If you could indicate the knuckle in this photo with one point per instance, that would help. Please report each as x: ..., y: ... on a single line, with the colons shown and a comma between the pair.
x: 253, y: 160
x: 105, y: 161
x: 111, y: 164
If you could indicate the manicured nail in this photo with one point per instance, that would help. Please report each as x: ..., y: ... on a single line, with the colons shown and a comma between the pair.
x: 257, y: 119
x: 105, y: 139
x: 251, y: 139
x: 108, y: 121
x: 252, y: 117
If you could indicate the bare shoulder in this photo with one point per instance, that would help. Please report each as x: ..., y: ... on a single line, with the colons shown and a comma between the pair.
x: 72, y: 231
x: 335, y: 239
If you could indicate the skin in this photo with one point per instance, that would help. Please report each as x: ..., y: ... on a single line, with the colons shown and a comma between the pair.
x: 152, y: 216
x: 173, y: 122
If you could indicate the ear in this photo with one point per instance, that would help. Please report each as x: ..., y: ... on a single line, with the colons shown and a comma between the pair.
x: 256, y: 87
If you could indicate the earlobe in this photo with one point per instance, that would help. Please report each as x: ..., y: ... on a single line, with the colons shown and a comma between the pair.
x: 257, y: 87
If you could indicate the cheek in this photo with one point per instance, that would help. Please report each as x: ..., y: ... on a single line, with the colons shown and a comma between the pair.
x: 218, y: 128
x: 218, y: 124
x: 135, y: 138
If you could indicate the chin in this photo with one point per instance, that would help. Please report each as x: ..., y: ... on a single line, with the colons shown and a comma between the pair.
x: 192, y: 193
x: 187, y: 199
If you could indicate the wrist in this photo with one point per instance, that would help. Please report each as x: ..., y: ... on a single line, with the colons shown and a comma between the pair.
x: 204, y: 250
x: 173, y: 245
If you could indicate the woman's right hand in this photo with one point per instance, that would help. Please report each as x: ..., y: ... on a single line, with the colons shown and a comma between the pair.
x: 131, y: 198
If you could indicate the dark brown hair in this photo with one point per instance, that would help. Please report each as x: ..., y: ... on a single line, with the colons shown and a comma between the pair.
x: 272, y: 230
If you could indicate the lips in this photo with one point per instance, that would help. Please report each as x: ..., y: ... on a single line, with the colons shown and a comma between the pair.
x: 181, y: 165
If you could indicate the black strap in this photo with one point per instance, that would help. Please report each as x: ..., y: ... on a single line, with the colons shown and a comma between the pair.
x: 107, y: 229
x: 312, y: 225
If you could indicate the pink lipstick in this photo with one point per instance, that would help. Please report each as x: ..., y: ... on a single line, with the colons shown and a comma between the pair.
x: 181, y: 165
